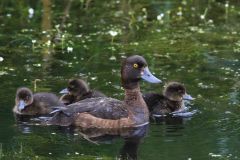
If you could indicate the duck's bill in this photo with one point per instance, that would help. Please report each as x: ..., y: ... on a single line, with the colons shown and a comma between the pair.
x: 188, y: 97
x: 64, y: 91
x: 149, y: 77
x: 21, y: 105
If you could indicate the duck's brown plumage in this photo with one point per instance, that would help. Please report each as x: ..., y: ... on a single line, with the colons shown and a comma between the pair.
x: 169, y: 102
x: 78, y: 90
x: 108, y: 112
x: 37, y: 104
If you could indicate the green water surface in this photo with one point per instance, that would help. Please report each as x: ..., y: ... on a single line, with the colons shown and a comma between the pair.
x: 193, y: 42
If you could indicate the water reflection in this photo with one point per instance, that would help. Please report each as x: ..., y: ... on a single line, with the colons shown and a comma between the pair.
x: 133, y: 137
x: 172, y: 125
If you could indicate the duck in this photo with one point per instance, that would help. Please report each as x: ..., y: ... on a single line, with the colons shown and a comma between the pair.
x: 107, y: 112
x: 37, y: 104
x: 170, y: 101
x: 78, y: 90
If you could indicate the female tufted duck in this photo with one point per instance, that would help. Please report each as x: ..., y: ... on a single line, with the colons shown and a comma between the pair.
x: 37, y: 104
x: 106, y: 112
x: 78, y: 90
x: 171, y: 101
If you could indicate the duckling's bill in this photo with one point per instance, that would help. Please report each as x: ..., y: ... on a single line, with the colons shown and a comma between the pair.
x: 147, y: 75
x: 21, y: 105
x: 188, y: 97
x: 65, y: 91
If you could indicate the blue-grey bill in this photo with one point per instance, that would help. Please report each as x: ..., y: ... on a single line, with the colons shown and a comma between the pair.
x: 21, y: 105
x: 188, y: 97
x: 149, y: 77
x: 64, y: 91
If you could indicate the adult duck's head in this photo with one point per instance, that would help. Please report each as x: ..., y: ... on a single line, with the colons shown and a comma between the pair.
x: 75, y: 87
x: 133, y: 69
x: 24, y: 98
x: 176, y: 92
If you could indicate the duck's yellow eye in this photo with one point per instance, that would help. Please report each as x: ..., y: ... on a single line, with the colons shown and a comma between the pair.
x: 135, y: 65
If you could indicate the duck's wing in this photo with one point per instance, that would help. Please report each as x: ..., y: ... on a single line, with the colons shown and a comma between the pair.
x: 102, y: 107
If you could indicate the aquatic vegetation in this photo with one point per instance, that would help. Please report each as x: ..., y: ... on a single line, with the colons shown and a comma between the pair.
x: 113, y: 34
x: 69, y: 49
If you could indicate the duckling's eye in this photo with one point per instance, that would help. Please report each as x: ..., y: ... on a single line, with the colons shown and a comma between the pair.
x: 27, y: 97
x: 135, y: 65
x: 72, y: 86
x: 179, y: 91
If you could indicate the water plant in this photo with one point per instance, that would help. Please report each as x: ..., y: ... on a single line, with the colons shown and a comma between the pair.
x: 69, y: 49
x: 113, y: 34
x: 33, y: 48
x: 145, y: 11
x: 133, y: 21
x: 226, y: 10
x: 35, y: 84
x: 168, y: 12
x: 204, y: 15
x: 48, y: 43
x: 179, y: 12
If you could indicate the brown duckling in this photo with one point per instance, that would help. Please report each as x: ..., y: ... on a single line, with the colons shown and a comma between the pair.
x: 78, y: 90
x: 103, y: 112
x: 37, y: 104
x: 171, y: 101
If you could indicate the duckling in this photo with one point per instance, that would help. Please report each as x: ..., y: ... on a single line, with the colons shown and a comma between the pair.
x: 78, y: 90
x: 37, y: 104
x: 104, y: 112
x: 171, y: 101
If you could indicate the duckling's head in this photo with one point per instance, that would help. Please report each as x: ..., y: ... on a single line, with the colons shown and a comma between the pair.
x: 133, y: 69
x: 176, y: 92
x: 24, y: 98
x: 76, y: 87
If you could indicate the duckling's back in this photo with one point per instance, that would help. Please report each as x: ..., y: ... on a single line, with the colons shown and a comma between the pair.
x: 46, y: 100
x: 69, y: 99
x: 157, y: 103
x: 41, y: 104
x: 92, y: 94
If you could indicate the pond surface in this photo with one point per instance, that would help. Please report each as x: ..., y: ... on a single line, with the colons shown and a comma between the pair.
x: 193, y: 42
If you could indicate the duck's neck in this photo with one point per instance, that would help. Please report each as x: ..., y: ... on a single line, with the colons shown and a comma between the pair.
x: 136, y: 106
x: 133, y: 97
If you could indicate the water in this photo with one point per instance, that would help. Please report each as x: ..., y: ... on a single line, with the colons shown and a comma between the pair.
x: 202, y: 54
